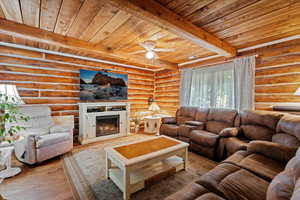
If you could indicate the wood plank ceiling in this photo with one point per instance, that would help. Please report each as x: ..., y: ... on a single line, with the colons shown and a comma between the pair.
x: 241, y: 23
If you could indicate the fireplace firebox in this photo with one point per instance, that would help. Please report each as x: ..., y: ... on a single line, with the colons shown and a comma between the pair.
x: 107, y: 125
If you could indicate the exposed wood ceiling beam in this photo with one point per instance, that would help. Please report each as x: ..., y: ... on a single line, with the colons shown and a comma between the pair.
x: 159, y: 15
x: 43, y: 36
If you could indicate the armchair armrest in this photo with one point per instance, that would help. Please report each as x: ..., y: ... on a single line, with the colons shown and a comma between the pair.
x: 25, y: 149
x: 61, y: 129
x: 50, y: 139
x: 272, y: 150
x: 169, y: 120
x: 230, y: 132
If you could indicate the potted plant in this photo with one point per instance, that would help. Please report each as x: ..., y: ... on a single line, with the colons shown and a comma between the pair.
x: 10, y: 114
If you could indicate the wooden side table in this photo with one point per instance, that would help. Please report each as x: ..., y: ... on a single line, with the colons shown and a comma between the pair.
x: 152, y: 124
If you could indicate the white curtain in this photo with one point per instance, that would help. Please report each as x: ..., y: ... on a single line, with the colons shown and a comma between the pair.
x: 228, y: 85
x: 208, y: 87
x: 244, y: 73
x: 185, y: 86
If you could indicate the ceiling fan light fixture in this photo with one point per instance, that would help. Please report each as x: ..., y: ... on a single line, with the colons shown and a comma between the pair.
x: 149, y: 55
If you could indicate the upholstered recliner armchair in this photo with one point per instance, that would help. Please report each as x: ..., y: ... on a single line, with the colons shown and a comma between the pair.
x: 43, y: 138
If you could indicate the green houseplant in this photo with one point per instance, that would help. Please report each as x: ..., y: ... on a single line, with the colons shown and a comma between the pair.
x: 10, y: 114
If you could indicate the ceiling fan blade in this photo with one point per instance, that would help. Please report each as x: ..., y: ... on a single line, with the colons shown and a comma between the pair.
x: 155, y: 55
x: 163, y: 50
x: 146, y: 47
x: 137, y: 52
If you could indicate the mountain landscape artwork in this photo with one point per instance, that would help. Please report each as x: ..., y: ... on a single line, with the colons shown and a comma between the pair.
x: 99, y: 85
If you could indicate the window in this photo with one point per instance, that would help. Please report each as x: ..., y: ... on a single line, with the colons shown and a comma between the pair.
x: 212, y: 87
x: 227, y: 85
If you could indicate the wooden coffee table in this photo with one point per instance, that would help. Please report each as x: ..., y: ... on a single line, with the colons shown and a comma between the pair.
x: 131, y: 166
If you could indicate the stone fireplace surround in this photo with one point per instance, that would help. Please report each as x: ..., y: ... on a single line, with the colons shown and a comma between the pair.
x: 103, y: 120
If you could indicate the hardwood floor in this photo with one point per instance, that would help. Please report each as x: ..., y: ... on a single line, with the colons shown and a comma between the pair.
x: 46, y: 181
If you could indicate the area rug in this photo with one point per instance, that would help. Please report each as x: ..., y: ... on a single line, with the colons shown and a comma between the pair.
x: 85, y: 168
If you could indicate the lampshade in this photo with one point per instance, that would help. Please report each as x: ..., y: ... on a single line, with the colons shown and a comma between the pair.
x: 154, y: 107
x: 297, y: 91
x: 11, y: 91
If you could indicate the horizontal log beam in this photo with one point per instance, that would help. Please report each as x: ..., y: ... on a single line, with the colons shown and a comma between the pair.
x: 43, y: 36
x: 159, y: 15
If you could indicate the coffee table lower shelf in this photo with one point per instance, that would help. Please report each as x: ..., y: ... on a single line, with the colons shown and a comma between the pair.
x: 149, y: 174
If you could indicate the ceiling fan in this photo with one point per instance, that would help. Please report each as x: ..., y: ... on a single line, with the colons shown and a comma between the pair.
x: 150, y: 49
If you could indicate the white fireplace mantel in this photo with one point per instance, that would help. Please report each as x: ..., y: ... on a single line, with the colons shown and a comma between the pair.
x: 88, y: 113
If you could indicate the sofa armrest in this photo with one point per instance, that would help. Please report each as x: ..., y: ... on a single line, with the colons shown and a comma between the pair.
x: 169, y: 120
x: 198, y: 125
x: 230, y: 132
x: 272, y: 150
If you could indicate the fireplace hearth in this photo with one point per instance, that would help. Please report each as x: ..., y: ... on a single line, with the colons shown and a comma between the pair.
x: 107, y: 125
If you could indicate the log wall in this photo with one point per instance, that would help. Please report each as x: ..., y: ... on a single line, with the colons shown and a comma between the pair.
x: 54, y: 80
x: 167, y: 84
x: 277, y: 74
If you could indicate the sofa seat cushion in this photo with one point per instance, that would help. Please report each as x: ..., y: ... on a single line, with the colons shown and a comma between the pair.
x: 34, y: 131
x: 169, y: 129
x: 243, y: 184
x: 234, y: 144
x: 185, y: 130
x: 264, y: 167
x: 188, y: 192
x: 214, y: 177
x: 50, y: 139
x: 204, y: 138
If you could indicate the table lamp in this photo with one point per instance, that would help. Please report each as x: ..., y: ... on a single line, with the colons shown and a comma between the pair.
x: 154, y: 107
x: 12, y: 92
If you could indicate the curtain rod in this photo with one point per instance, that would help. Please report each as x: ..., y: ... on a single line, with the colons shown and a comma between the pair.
x: 220, y: 62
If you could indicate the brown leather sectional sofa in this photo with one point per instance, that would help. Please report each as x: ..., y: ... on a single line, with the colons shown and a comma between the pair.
x: 249, y: 175
x: 261, y: 145
x: 218, y: 133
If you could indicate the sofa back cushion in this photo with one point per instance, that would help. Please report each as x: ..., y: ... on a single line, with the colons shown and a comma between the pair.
x: 259, y: 125
x: 201, y: 114
x: 286, y: 185
x: 184, y: 114
x: 288, y: 131
x: 218, y: 119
